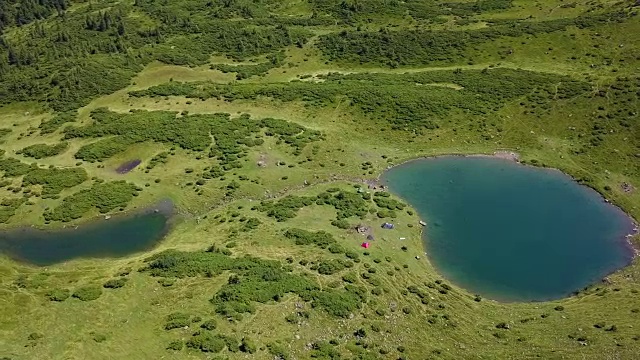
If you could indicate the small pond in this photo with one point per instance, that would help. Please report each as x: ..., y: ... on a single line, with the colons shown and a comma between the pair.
x: 511, y: 232
x: 118, y: 236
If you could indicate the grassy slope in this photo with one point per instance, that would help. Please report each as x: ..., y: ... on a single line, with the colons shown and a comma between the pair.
x: 131, y: 318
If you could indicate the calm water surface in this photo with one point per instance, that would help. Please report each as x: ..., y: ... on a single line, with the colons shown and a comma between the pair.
x: 512, y: 232
x: 118, y: 236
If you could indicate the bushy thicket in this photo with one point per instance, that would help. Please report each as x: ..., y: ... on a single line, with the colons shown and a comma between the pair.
x: 332, y: 266
x: 67, y: 60
x: 87, y: 293
x: 59, y: 119
x: 404, y: 100
x: 54, y: 180
x: 352, y: 12
x: 177, y: 320
x: 9, y: 206
x: 416, y: 47
x: 103, y: 149
x: 103, y: 196
x: 285, y: 208
x: 13, y: 167
x: 115, y: 283
x: 58, y: 294
x: 247, y: 71
x: 252, y: 280
x: 321, y: 239
x: 39, y: 151
x: 191, y: 132
x: 342, y: 302
x: 22, y: 12
x: 159, y: 158
x: 386, y: 202
x: 346, y: 203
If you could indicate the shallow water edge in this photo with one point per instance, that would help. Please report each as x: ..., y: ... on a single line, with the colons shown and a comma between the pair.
x: 627, y: 224
x: 107, y: 236
x: 513, y: 156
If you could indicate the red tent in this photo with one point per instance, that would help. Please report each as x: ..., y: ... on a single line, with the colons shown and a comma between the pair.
x: 365, y: 245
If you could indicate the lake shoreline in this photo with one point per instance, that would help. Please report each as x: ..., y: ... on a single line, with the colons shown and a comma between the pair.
x: 513, y: 156
x: 164, y: 206
x: 625, y: 236
x: 107, y: 236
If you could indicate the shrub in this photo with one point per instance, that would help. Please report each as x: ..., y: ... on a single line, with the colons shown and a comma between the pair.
x: 39, y: 151
x: 177, y: 320
x: 278, y: 351
x: 206, y: 342
x: 115, y: 283
x: 340, y: 303
x: 350, y: 277
x: 321, y: 239
x: 210, y: 324
x: 175, y: 345
x: 87, y: 293
x: 104, y: 196
x: 58, y: 294
x: 248, y: 346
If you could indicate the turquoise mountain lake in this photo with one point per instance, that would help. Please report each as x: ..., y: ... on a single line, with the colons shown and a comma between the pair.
x: 511, y: 232
x: 118, y: 236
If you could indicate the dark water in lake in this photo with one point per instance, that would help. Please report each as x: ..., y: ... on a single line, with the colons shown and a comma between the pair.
x: 118, y: 236
x: 512, y: 232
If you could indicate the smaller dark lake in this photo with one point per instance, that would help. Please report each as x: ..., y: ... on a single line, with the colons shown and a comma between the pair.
x: 512, y: 232
x: 118, y: 236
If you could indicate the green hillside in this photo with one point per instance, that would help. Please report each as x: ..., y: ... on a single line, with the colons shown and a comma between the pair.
x: 261, y: 120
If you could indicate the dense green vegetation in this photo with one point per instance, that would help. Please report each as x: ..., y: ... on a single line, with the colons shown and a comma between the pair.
x: 54, y: 180
x: 103, y: 196
x: 190, y: 132
x: 247, y: 71
x: 275, y: 165
x: 254, y: 280
x: 61, y: 118
x: 406, y: 101
x: 413, y: 47
x: 22, y: 12
x: 39, y: 151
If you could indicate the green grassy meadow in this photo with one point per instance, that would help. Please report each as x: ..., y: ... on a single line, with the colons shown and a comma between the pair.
x: 329, y: 95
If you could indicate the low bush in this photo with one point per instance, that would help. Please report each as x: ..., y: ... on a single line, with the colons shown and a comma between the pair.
x: 115, y: 283
x: 177, y: 320
x: 207, y: 342
x: 58, y: 294
x: 210, y: 324
x: 175, y: 345
x: 87, y: 293
x: 103, y: 196
x: 248, y: 346
x: 39, y: 151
